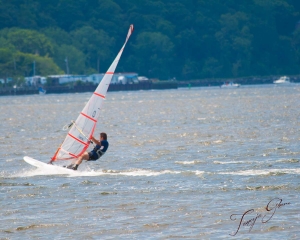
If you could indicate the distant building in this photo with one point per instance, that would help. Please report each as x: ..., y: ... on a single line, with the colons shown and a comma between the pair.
x: 35, y: 80
x: 55, y: 80
x: 64, y: 79
x: 95, y: 78
x: 118, y: 78
x: 143, y: 78
x: 125, y: 78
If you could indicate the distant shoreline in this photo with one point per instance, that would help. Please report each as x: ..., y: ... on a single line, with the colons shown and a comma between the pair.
x: 144, y: 85
x: 243, y: 81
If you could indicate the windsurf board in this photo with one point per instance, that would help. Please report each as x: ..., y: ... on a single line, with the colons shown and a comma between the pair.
x: 39, y: 164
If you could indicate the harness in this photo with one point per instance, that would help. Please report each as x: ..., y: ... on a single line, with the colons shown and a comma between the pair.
x: 98, y: 149
x: 99, y: 153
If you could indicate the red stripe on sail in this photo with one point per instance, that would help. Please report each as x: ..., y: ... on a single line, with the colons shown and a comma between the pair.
x: 99, y: 95
x: 94, y: 120
x: 73, y: 155
x: 109, y: 72
x: 84, y: 149
x: 78, y: 140
x: 54, y: 157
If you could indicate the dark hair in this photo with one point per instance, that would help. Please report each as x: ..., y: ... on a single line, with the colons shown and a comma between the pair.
x: 103, y: 135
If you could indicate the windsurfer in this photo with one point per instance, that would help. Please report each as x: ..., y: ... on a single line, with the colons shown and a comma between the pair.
x: 96, y: 153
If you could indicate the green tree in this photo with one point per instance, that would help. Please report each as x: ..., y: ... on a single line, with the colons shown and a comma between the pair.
x: 235, y: 41
x: 270, y: 20
x: 58, y: 36
x: 211, y: 67
x: 95, y: 44
x: 252, y: 37
x: 15, y: 64
x: 71, y: 56
x: 30, y: 41
x: 296, y: 45
x: 6, y: 63
x: 43, y: 65
x: 46, y: 66
x: 158, y: 51
x: 4, y: 43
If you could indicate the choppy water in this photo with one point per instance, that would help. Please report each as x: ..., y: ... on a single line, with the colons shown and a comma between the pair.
x: 180, y: 163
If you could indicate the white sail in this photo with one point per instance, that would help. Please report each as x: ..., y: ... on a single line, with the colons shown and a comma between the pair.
x: 78, y: 138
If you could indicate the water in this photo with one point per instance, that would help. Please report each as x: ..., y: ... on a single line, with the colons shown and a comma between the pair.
x: 180, y: 163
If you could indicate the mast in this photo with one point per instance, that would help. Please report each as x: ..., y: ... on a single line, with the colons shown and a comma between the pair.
x: 81, y: 130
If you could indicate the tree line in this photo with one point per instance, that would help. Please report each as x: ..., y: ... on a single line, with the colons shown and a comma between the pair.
x: 189, y: 39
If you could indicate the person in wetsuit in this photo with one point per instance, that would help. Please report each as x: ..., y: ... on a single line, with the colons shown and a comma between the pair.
x: 96, y: 153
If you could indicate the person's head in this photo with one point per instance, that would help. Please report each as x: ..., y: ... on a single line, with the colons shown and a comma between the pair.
x: 103, y: 136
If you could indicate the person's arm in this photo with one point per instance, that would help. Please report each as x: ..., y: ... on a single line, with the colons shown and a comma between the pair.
x: 96, y: 141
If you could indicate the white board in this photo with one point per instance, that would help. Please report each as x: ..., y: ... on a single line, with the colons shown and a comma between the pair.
x: 39, y: 164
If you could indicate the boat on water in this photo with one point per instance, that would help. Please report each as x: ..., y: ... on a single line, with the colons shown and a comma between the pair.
x: 230, y: 85
x: 282, y: 80
x: 42, y: 91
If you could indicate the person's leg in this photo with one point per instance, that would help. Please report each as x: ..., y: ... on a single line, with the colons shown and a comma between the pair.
x: 84, y: 156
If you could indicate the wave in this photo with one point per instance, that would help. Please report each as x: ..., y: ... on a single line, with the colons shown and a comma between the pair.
x: 263, y: 172
x: 29, y: 227
x: 189, y: 162
x: 266, y: 188
x: 243, y: 162
x: 288, y: 160
x: 91, y: 173
x: 138, y: 172
x: 234, y: 162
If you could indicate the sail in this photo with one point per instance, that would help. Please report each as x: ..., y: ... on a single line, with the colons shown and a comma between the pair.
x: 79, y: 135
